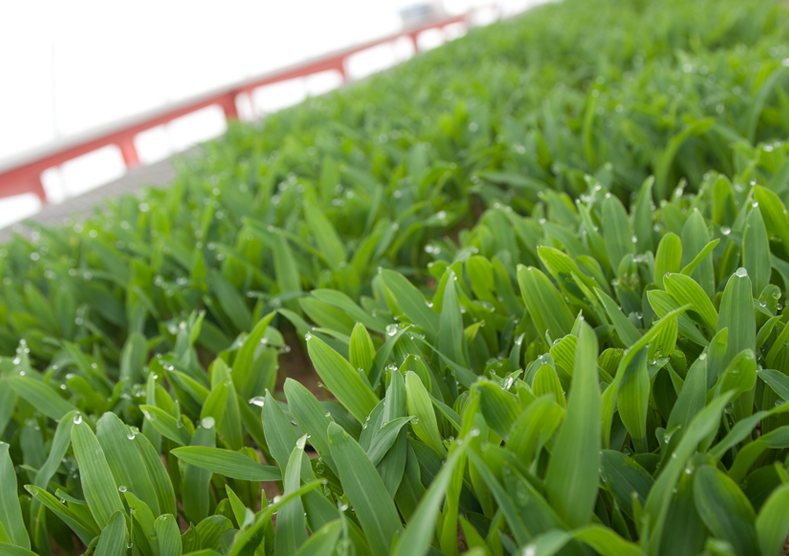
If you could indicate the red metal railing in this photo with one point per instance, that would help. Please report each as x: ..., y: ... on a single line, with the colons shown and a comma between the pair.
x: 23, y: 174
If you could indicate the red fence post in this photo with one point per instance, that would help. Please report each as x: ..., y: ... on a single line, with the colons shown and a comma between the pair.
x: 29, y: 184
x: 129, y: 152
x: 341, y: 69
x: 228, y: 104
x: 38, y: 188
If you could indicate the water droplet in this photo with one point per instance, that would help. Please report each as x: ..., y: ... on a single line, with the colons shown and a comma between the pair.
x: 77, y: 419
x: 208, y: 423
x: 391, y: 329
x: 741, y: 272
x: 122, y: 488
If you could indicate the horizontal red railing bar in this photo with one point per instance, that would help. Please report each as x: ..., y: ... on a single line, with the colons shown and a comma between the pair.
x: 22, y: 174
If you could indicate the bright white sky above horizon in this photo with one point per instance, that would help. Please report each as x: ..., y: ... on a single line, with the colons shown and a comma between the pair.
x: 69, y: 66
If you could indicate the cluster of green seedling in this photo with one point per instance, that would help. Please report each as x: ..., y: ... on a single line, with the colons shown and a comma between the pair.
x: 321, y: 195
x: 602, y: 375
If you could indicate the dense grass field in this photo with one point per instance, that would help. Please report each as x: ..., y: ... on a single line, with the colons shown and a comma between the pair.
x: 522, y: 295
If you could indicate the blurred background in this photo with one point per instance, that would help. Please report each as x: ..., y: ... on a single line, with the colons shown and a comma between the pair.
x: 71, y: 68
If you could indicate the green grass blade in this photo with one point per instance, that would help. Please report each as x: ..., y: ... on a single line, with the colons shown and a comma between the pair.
x: 341, y: 301
x: 618, y: 234
x: 544, y: 302
x: 773, y: 213
x: 40, y: 396
x: 498, y: 407
x: 125, y: 462
x: 772, y: 524
x: 736, y: 315
x: 571, y: 480
x: 98, y: 484
x: 114, y: 537
x: 168, y: 535
x: 625, y: 478
x: 341, y: 379
x: 365, y: 490
x: 685, y: 289
x: 246, y: 353
x: 660, y: 496
x: 195, y: 495
x: 325, y: 235
x: 689, y: 268
x: 361, y: 349
x: 695, y: 238
x: 756, y: 251
x: 411, y: 302
x: 451, y: 340
x: 280, y: 434
x: 291, y: 525
x: 323, y: 541
x: 419, y: 533
x: 158, y: 474
x: 10, y: 510
x: 633, y: 399
x: 167, y: 425
x: 227, y: 463
x: 85, y: 531
x: 724, y: 509
x: 759, y: 99
x: 385, y: 438
x: 668, y: 258
x: 7, y: 549
x: 421, y: 409
x: 143, y: 522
